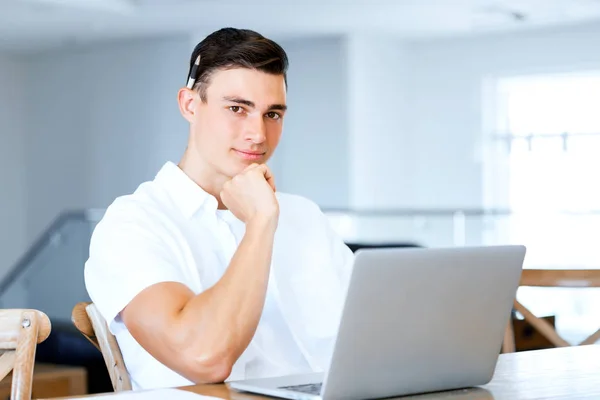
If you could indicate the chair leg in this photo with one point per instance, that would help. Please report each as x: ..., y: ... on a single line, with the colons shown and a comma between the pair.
x: 7, y: 362
x: 541, y: 326
x: 24, y: 357
x: 593, y: 338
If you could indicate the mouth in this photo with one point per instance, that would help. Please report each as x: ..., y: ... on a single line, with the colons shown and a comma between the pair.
x: 250, y: 155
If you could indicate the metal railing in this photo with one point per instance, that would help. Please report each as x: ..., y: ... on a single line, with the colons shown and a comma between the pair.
x: 50, y: 273
x: 47, y: 237
x: 460, y: 226
x: 456, y: 217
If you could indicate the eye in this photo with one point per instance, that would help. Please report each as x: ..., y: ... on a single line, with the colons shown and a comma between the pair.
x: 273, y: 115
x: 236, y: 109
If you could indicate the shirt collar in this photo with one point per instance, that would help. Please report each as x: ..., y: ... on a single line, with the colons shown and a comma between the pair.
x: 184, y: 192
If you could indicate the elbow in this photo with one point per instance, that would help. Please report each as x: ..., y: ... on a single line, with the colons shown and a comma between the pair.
x: 218, y: 371
x: 214, y: 367
x: 205, y: 356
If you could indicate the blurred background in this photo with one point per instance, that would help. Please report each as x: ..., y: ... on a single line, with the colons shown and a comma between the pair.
x: 411, y: 123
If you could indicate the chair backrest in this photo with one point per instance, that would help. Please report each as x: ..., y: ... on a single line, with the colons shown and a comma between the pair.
x: 88, y: 320
x: 21, y: 330
x: 565, y: 278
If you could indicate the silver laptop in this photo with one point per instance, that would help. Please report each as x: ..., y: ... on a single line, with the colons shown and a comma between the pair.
x: 414, y: 321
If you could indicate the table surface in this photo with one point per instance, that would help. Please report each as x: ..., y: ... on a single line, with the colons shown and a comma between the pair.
x: 563, y: 373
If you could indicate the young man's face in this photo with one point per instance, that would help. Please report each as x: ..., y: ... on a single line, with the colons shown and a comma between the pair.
x: 241, y: 121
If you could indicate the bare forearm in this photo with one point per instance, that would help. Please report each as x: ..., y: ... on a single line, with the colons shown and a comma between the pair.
x: 223, y: 319
x: 247, y: 279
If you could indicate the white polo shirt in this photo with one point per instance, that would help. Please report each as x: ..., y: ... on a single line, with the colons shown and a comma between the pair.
x: 170, y: 229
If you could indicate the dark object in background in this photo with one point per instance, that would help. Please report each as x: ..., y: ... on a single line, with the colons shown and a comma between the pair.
x: 67, y: 346
x: 528, y: 338
x: 356, y: 246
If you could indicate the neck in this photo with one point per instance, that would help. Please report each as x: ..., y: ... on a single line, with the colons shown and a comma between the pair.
x: 203, y: 175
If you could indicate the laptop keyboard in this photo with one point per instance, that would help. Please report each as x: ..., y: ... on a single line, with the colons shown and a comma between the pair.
x: 311, y: 388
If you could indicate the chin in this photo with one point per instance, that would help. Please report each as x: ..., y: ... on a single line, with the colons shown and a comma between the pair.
x: 237, y: 165
x: 243, y: 164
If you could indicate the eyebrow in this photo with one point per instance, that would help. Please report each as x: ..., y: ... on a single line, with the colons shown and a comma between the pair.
x: 251, y: 104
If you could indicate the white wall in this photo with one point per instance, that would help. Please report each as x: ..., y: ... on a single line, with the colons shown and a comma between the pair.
x: 105, y: 119
x: 417, y: 115
x: 12, y: 174
x: 373, y: 122
x: 448, y: 102
x: 312, y: 159
x: 380, y: 137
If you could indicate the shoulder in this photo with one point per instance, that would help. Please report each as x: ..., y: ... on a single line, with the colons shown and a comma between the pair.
x: 141, y: 217
x: 132, y: 247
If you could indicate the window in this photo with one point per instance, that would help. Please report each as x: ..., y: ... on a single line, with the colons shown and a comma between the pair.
x: 546, y: 168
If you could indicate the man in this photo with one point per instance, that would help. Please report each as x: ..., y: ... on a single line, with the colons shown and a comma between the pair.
x: 206, y: 273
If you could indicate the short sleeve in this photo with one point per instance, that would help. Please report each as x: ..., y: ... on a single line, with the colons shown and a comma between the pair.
x: 127, y: 255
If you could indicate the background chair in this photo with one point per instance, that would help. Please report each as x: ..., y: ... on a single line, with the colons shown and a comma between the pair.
x: 21, y: 330
x: 564, y: 278
x: 91, y: 324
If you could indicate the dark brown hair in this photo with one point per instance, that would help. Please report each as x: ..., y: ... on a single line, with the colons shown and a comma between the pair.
x: 230, y: 48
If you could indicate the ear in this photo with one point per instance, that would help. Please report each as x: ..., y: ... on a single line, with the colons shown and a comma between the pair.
x: 188, y: 100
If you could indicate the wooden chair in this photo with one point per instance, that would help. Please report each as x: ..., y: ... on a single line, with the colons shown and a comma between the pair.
x: 88, y: 320
x: 21, y: 330
x: 565, y: 278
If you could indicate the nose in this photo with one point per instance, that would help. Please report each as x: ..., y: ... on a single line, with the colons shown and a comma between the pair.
x: 255, y: 130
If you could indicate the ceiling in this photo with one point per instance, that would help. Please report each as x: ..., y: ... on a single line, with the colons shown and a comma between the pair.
x: 27, y: 25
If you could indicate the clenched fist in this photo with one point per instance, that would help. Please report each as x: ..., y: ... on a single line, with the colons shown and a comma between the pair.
x: 250, y: 195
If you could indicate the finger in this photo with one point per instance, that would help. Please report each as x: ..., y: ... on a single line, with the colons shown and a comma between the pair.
x: 250, y: 167
x: 268, y: 176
